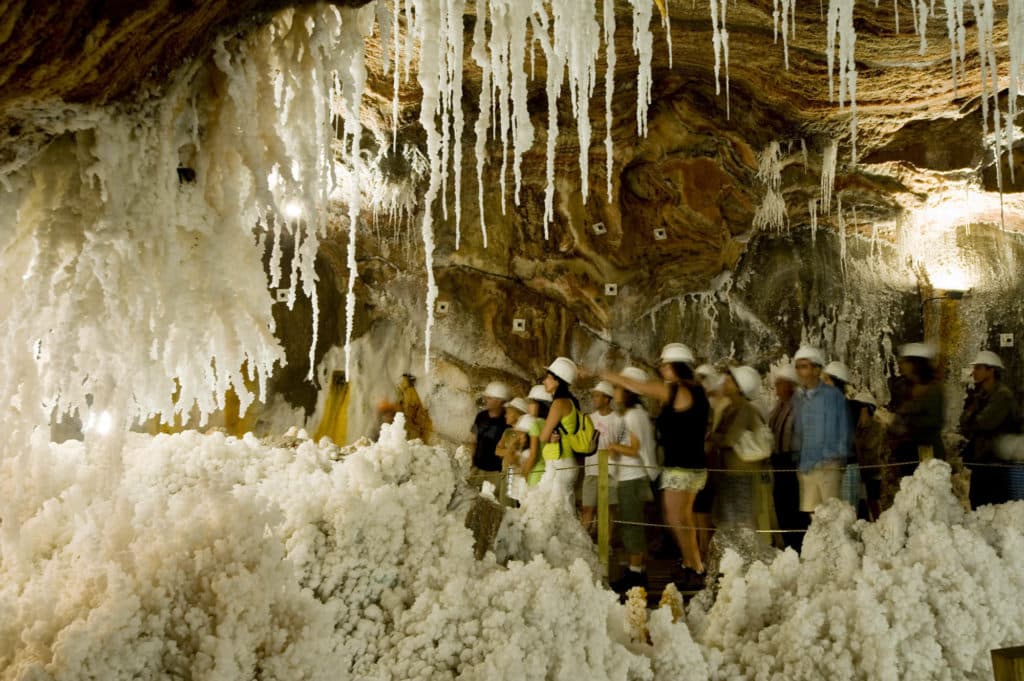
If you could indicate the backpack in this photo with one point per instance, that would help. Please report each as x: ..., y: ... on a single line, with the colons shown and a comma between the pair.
x: 584, y: 440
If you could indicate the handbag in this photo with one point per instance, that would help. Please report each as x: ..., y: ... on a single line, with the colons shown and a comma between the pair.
x: 755, y: 444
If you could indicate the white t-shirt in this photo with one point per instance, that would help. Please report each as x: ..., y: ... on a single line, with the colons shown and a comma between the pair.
x: 639, y: 424
x: 611, y: 429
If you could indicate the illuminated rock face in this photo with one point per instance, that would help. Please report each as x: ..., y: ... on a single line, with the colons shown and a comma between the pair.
x: 675, y: 238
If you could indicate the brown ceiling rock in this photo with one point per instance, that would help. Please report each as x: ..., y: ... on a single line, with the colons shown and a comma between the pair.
x: 94, y: 51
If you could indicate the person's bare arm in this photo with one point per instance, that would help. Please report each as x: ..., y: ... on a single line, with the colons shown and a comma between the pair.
x: 632, y: 449
x: 531, y: 459
x: 656, y: 389
x: 559, y: 408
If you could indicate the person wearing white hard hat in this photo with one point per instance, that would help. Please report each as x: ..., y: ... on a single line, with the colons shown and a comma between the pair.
x: 919, y: 405
x: 487, y: 429
x: 564, y: 416
x: 512, y: 442
x: 610, y: 429
x: 681, y: 426
x: 822, y: 429
x: 786, y: 456
x: 990, y: 411
x: 837, y: 374
x: 868, y: 441
x: 517, y: 484
x: 735, y: 485
x: 636, y: 460
x: 539, y: 402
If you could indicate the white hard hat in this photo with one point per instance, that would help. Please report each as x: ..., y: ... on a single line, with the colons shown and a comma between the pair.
x: 563, y: 368
x: 838, y: 370
x: 497, y: 390
x: 704, y: 370
x: 677, y: 352
x: 634, y: 374
x: 812, y: 355
x: 539, y: 394
x: 864, y: 397
x: 524, y: 423
x: 786, y: 372
x: 989, y: 359
x: 922, y: 350
x: 519, y: 404
x: 748, y: 380
x: 605, y: 388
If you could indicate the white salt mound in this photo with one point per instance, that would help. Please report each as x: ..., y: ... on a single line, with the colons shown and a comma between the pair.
x: 222, y: 558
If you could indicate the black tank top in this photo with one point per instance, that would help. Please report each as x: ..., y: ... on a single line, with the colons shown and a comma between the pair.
x: 681, y: 433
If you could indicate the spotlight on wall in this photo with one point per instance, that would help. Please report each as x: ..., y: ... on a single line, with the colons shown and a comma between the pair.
x: 293, y: 209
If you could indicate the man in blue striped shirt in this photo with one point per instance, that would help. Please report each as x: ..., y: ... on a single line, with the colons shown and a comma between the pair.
x: 821, y: 431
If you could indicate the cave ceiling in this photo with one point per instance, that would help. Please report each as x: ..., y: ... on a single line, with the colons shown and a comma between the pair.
x: 693, y: 175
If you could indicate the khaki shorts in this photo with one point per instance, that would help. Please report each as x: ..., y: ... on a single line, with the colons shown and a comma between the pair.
x: 823, y: 482
x: 684, y: 479
x: 590, y: 492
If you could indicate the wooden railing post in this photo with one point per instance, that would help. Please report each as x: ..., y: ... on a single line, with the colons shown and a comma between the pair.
x: 602, y: 511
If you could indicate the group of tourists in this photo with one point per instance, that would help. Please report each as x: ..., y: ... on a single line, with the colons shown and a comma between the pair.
x: 712, y: 443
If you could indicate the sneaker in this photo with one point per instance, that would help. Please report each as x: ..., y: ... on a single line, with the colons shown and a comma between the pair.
x: 628, y: 580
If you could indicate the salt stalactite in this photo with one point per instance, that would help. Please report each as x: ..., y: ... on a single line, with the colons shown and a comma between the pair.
x: 896, y: 13
x: 134, y: 284
x: 577, y: 37
x: 454, y: 63
x: 957, y: 38
x: 771, y: 214
x: 1015, y: 40
x: 783, y: 13
x: 812, y: 208
x: 840, y: 24
x: 841, y: 229
x: 351, y: 73
x: 643, y: 47
x: 828, y: 174
x: 396, y: 76
x: 434, y: 76
x: 666, y: 23
x: 482, y: 59
x: 608, y: 17
x: 983, y: 15
x: 921, y: 24
x: 555, y: 76
x: 720, y: 42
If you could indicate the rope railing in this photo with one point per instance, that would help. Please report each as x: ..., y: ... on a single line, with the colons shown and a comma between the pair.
x: 694, y: 527
x: 770, y: 469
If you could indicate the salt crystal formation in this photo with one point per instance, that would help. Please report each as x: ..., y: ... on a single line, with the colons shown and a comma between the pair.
x: 213, y: 557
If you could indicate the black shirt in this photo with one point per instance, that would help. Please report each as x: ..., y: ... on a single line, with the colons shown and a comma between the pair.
x: 488, y: 430
x: 681, y: 433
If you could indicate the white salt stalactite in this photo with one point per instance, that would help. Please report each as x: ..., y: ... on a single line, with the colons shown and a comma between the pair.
x: 812, y: 208
x: 352, y: 76
x: 609, y: 90
x: 771, y: 214
x: 720, y: 42
x: 555, y: 74
x: 577, y: 37
x: 643, y: 45
x: 841, y: 228
x: 482, y: 59
x: 921, y: 24
x: 840, y: 24
x: 783, y: 14
x: 828, y: 174
x: 956, y: 33
x: 1015, y: 40
x: 983, y: 15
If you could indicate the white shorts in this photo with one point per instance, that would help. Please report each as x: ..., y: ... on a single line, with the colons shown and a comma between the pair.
x: 821, y: 483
